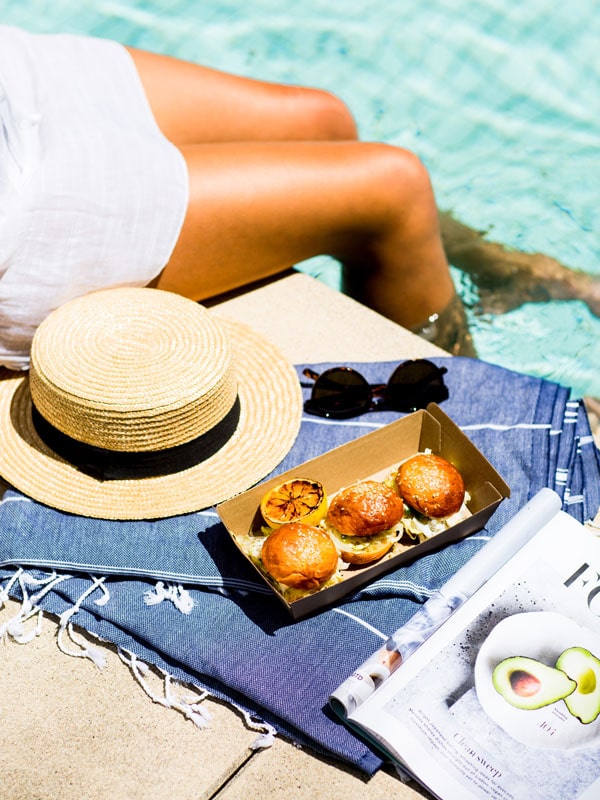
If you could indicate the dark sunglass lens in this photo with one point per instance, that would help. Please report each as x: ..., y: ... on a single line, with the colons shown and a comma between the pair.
x: 340, y: 392
x: 416, y: 383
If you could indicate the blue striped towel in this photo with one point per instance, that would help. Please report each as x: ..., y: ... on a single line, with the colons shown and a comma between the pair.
x: 234, y: 639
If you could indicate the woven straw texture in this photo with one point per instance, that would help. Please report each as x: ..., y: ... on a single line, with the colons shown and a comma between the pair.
x: 160, y: 396
x: 149, y: 370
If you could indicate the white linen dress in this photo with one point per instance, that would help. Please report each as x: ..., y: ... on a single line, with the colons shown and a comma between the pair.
x: 92, y: 194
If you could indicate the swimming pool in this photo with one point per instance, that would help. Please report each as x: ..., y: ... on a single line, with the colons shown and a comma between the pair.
x: 499, y: 98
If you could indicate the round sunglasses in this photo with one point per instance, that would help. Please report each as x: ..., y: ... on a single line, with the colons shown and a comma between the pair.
x: 342, y: 392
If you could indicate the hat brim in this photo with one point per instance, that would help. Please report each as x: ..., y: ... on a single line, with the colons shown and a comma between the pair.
x: 270, y: 413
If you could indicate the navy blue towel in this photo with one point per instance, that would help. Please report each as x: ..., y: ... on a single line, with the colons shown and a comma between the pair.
x: 236, y: 640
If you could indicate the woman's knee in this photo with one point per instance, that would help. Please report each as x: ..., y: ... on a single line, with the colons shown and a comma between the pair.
x: 321, y: 115
x: 401, y: 181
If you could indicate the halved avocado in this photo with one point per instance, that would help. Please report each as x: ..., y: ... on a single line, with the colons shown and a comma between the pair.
x: 584, y: 668
x: 527, y: 683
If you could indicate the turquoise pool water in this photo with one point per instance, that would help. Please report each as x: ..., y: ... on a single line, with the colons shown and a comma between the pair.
x: 499, y: 98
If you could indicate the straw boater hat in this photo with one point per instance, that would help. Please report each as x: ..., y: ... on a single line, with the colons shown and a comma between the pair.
x: 145, y: 405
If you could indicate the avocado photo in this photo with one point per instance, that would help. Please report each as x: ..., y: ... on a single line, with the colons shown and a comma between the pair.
x: 527, y: 683
x: 583, y: 667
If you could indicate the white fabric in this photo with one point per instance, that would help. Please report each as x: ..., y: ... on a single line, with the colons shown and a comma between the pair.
x: 91, y: 193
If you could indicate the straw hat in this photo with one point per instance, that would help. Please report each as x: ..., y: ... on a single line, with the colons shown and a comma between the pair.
x: 145, y: 405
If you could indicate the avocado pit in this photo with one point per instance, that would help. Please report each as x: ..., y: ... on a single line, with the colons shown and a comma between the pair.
x: 523, y: 683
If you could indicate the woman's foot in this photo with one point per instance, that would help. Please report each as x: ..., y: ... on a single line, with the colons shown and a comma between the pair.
x: 508, y: 278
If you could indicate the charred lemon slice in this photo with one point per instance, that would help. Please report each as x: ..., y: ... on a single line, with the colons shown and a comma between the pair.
x: 296, y: 500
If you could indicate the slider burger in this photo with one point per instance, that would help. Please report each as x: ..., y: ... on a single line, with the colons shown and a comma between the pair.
x: 300, y: 556
x: 430, y: 485
x: 365, y: 521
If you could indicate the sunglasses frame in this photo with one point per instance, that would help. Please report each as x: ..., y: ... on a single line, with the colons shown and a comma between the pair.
x: 370, y: 392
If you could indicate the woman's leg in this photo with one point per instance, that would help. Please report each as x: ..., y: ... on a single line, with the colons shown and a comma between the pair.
x: 194, y: 104
x: 257, y: 208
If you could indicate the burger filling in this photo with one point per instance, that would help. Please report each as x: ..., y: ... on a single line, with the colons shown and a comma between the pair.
x: 364, y: 544
x: 420, y: 527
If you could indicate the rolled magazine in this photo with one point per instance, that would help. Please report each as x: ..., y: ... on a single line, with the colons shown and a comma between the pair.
x: 436, y: 610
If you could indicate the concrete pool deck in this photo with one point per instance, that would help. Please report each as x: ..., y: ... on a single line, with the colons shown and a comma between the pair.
x: 73, y: 732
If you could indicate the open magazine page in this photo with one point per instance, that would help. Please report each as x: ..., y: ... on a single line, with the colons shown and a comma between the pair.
x: 366, y: 678
x: 441, y: 716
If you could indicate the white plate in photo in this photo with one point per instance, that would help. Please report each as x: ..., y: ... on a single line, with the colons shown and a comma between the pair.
x: 543, y: 636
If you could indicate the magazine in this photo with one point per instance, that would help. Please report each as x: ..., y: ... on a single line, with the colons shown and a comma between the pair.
x: 492, y: 690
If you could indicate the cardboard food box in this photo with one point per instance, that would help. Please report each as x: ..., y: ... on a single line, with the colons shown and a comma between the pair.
x: 375, y: 456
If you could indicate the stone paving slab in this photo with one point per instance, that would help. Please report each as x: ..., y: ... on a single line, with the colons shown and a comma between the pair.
x: 284, y: 771
x: 72, y: 731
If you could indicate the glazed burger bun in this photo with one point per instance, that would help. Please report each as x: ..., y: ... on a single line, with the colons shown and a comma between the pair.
x: 430, y: 485
x: 365, y: 509
x: 299, y: 555
x: 363, y: 519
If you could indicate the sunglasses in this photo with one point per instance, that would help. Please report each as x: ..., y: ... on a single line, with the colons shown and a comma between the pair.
x: 342, y: 392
